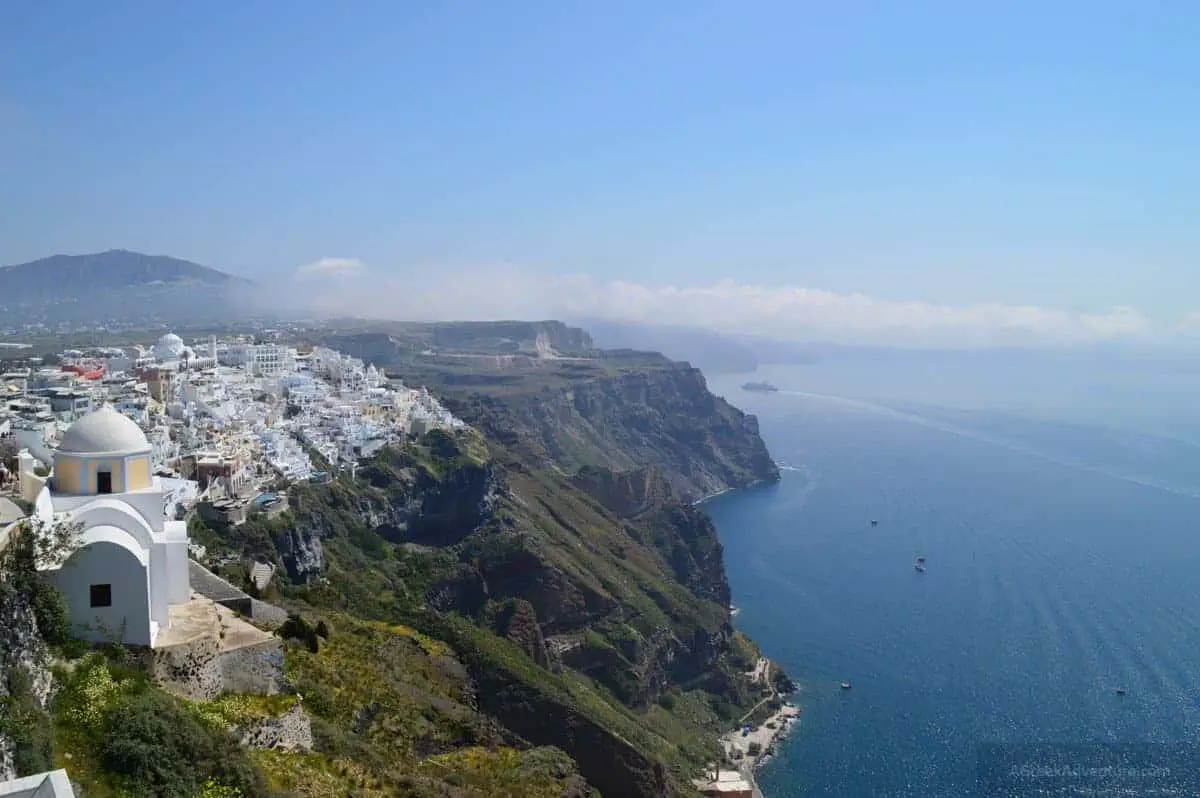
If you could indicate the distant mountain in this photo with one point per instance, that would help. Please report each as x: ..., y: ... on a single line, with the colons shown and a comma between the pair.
x: 117, y: 284
x: 81, y: 275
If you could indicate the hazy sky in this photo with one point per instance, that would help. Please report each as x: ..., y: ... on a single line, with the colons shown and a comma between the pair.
x: 994, y: 169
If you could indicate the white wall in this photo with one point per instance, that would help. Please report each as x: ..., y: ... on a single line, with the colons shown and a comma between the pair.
x: 178, y: 581
x: 103, y: 562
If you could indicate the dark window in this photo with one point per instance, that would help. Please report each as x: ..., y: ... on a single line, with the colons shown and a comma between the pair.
x: 104, y: 482
x: 101, y: 595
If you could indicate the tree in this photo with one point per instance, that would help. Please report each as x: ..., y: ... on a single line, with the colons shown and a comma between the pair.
x: 54, y: 541
x: 32, y: 545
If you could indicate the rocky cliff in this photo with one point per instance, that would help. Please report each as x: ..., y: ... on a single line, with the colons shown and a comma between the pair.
x: 435, y: 492
x: 627, y: 494
x: 627, y: 411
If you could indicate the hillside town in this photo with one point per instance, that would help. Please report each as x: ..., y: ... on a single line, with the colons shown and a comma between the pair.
x: 225, y: 418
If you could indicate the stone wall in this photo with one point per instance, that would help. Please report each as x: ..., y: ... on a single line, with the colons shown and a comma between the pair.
x: 254, y: 669
x: 291, y: 731
x: 213, y: 587
x: 267, y: 615
x: 190, y: 670
x: 200, y: 671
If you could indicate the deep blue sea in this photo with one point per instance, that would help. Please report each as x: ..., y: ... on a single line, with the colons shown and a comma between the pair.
x: 1063, y: 562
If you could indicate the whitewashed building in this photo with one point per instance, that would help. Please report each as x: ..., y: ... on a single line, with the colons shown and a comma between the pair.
x: 129, y: 563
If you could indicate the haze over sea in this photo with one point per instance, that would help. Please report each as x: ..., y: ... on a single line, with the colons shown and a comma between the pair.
x: 1056, y: 503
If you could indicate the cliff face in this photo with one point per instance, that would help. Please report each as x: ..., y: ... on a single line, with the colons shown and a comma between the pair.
x: 662, y: 416
x: 418, y: 496
x: 627, y: 494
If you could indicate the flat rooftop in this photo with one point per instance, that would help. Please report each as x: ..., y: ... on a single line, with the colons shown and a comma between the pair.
x: 202, y: 616
x: 728, y: 781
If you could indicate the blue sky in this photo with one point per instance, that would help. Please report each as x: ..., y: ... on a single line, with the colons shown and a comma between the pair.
x: 944, y: 155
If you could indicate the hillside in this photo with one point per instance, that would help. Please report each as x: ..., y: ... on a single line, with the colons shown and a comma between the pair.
x: 98, y: 286
x: 498, y: 612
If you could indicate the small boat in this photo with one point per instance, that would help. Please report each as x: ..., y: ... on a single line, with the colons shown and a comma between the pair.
x: 874, y: 522
x: 1121, y: 691
x: 845, y: 685
x: 919, y: 567
x: 921, y: 560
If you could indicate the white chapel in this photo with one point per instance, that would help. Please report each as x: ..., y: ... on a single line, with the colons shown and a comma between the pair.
x: 130, y: 563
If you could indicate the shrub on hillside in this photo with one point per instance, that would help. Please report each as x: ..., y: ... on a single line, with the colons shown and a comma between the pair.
x: 26, y: 725
x: 161, y: 748
x: 296, y: 628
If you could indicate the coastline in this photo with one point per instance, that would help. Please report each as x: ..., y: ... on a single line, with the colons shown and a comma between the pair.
x: 713, y: 495
x: 746, y: 748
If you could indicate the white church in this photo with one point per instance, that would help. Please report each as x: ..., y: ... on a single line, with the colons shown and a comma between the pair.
x: 129, y: 566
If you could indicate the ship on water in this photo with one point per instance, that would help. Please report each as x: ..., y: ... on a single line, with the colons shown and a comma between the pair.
x: 764, y: 387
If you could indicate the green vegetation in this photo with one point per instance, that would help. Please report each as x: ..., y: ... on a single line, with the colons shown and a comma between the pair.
x: 580, y: 569
x: 317, y: 775
x: 413, y: 647
x: 20, y: 581
x: 26, y: 725
x: 296, y: 628
x: 393, y: 710
x: 120, y: 736
x: 234, y: 710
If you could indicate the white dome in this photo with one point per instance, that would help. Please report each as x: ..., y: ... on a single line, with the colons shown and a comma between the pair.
x: 169, y: 347
x: 104, y: 431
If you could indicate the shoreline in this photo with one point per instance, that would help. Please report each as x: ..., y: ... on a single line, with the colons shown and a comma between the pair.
x: 746, y: 748
x: 713, y: 495
x: 736, y: 773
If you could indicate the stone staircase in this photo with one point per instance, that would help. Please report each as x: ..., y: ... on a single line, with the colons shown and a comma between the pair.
x: 260, y: 574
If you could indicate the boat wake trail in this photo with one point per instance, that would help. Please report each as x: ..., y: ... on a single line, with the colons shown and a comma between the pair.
x: 967, y: 432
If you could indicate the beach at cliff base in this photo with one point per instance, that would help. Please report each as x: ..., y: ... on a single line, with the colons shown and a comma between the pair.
x: 746, y: 748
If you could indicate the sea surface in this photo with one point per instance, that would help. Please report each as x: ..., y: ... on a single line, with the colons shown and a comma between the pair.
x: 1063, y: 563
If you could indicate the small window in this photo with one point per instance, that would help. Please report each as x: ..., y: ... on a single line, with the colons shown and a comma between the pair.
x: 101, y: 595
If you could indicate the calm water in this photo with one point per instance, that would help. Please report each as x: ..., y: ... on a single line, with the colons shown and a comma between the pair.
x: 1063, y: 562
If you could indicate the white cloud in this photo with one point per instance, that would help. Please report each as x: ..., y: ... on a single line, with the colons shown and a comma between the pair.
x: 332, y: 267
x: 789, y: 312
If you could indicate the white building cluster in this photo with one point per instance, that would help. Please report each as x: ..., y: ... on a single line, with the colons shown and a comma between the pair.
x: 231, y: 415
